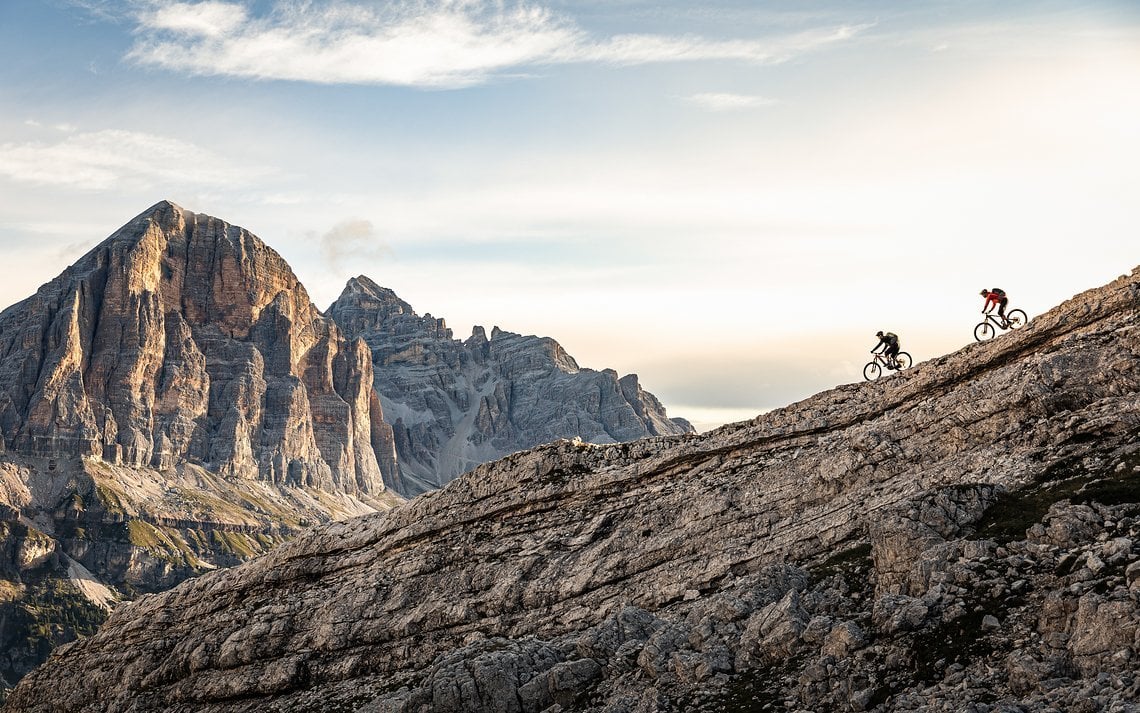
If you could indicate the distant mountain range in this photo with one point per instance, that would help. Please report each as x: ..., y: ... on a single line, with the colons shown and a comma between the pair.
x: 455, y: 404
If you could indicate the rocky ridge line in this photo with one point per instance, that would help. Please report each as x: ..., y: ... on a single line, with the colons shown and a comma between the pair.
x: 456, y: 404
x: 632, y: 577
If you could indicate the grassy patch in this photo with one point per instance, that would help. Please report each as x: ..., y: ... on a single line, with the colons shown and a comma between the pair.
x: 162, y: 543
x: 109, y: 499
x: 1111, y: 491
x: 957, y: 641
x: 233, y: 543
x: 50, y: 612
x: 757, y: 690
x: 1013, y: 513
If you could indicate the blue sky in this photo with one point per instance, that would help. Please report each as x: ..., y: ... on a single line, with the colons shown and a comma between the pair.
x: 727, y: 198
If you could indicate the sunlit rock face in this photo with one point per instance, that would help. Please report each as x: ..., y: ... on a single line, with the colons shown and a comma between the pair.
x: 455, y: 404
x: 182, y: 338
x: 171, y: 404
x: 965, y: 531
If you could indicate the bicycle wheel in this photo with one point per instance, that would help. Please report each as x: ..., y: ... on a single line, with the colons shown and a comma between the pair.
x: 872, y: 371
x: 984, y: 331
x: 1016, y: 318
x: 904, y: 360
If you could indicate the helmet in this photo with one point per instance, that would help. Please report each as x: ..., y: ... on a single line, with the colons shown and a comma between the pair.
x: 983, y: 293
x: 879, y: 333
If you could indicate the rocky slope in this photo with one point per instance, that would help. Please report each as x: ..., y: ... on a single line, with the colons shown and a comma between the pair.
x: 171, y: 403
x: 456, y: 404
x: 960, y: 536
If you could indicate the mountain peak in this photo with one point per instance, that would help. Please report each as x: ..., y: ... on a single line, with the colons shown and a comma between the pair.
x: 165, y: 204
x: 365, y: 284
x: 140, y: 339
x: 363, y: 290
x: 455, y: 404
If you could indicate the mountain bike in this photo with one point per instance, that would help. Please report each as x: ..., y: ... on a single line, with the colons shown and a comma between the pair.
x: 1014, y: 319
x: 874, y: 368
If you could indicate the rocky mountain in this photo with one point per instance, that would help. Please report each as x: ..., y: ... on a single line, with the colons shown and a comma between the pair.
x: 171, y: 403
x: 456, y: 404
x: 962, y: 536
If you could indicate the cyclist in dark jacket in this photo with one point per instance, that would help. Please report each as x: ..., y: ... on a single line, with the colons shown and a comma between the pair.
x: 890, y: 343
x: 997, y: 297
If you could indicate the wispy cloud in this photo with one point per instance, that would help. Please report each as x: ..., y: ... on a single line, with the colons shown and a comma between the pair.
x: 722, y: 101
x: 356, y: 239
x: 646, y: 49
x: 429, y: 43
x: 102, y: 160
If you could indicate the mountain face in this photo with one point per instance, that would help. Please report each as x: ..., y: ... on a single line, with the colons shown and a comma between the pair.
x: 171, y: 403
x: 961, y: 536
x: 183, y: 339
x: 455, y: 404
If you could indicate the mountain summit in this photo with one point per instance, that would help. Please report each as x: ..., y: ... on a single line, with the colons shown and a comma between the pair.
x: 964, y: 532
x: 456, y: 404
x: 181, y: 338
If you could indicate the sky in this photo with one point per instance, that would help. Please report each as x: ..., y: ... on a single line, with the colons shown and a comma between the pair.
x: 728, y: 198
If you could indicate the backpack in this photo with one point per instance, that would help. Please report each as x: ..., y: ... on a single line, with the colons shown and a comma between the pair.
x: 998, y: 291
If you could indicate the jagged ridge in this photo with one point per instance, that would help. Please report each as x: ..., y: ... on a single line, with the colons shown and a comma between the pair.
x: 455, y: 404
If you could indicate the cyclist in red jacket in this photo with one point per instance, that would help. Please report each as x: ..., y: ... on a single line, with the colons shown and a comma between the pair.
x: 997, y: 297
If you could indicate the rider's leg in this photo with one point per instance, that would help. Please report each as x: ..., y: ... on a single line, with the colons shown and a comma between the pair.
x: 1001, y: 309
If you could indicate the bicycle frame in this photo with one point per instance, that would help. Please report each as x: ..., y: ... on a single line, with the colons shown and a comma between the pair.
x: 991, y: 317
x: 879, y: 357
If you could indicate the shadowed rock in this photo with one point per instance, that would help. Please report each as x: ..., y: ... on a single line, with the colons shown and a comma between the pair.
x: 456, y: 404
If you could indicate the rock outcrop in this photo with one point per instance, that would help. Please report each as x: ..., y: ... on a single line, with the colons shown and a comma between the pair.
x: 181, y: 338
x: 765, y: 563
x: 456, y: 404
x: 172, y: 403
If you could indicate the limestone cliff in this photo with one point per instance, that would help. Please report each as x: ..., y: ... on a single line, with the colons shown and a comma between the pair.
x: 456, y: 404
x: 181, y: 338
x: 170, y: 404
x: 961, y: 534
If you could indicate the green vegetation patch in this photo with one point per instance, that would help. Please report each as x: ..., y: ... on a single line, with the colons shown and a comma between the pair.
x: 758, y: 690
x: 43, y: 615
x: 960, y: 641
x: 111, y: 501
x: 162, y: 542
x: 234, y: 543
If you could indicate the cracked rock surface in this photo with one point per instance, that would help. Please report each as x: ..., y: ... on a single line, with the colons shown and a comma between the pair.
x: 959, y: 534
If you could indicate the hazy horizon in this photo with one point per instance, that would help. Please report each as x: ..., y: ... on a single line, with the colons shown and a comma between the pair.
x: 728, y: 200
